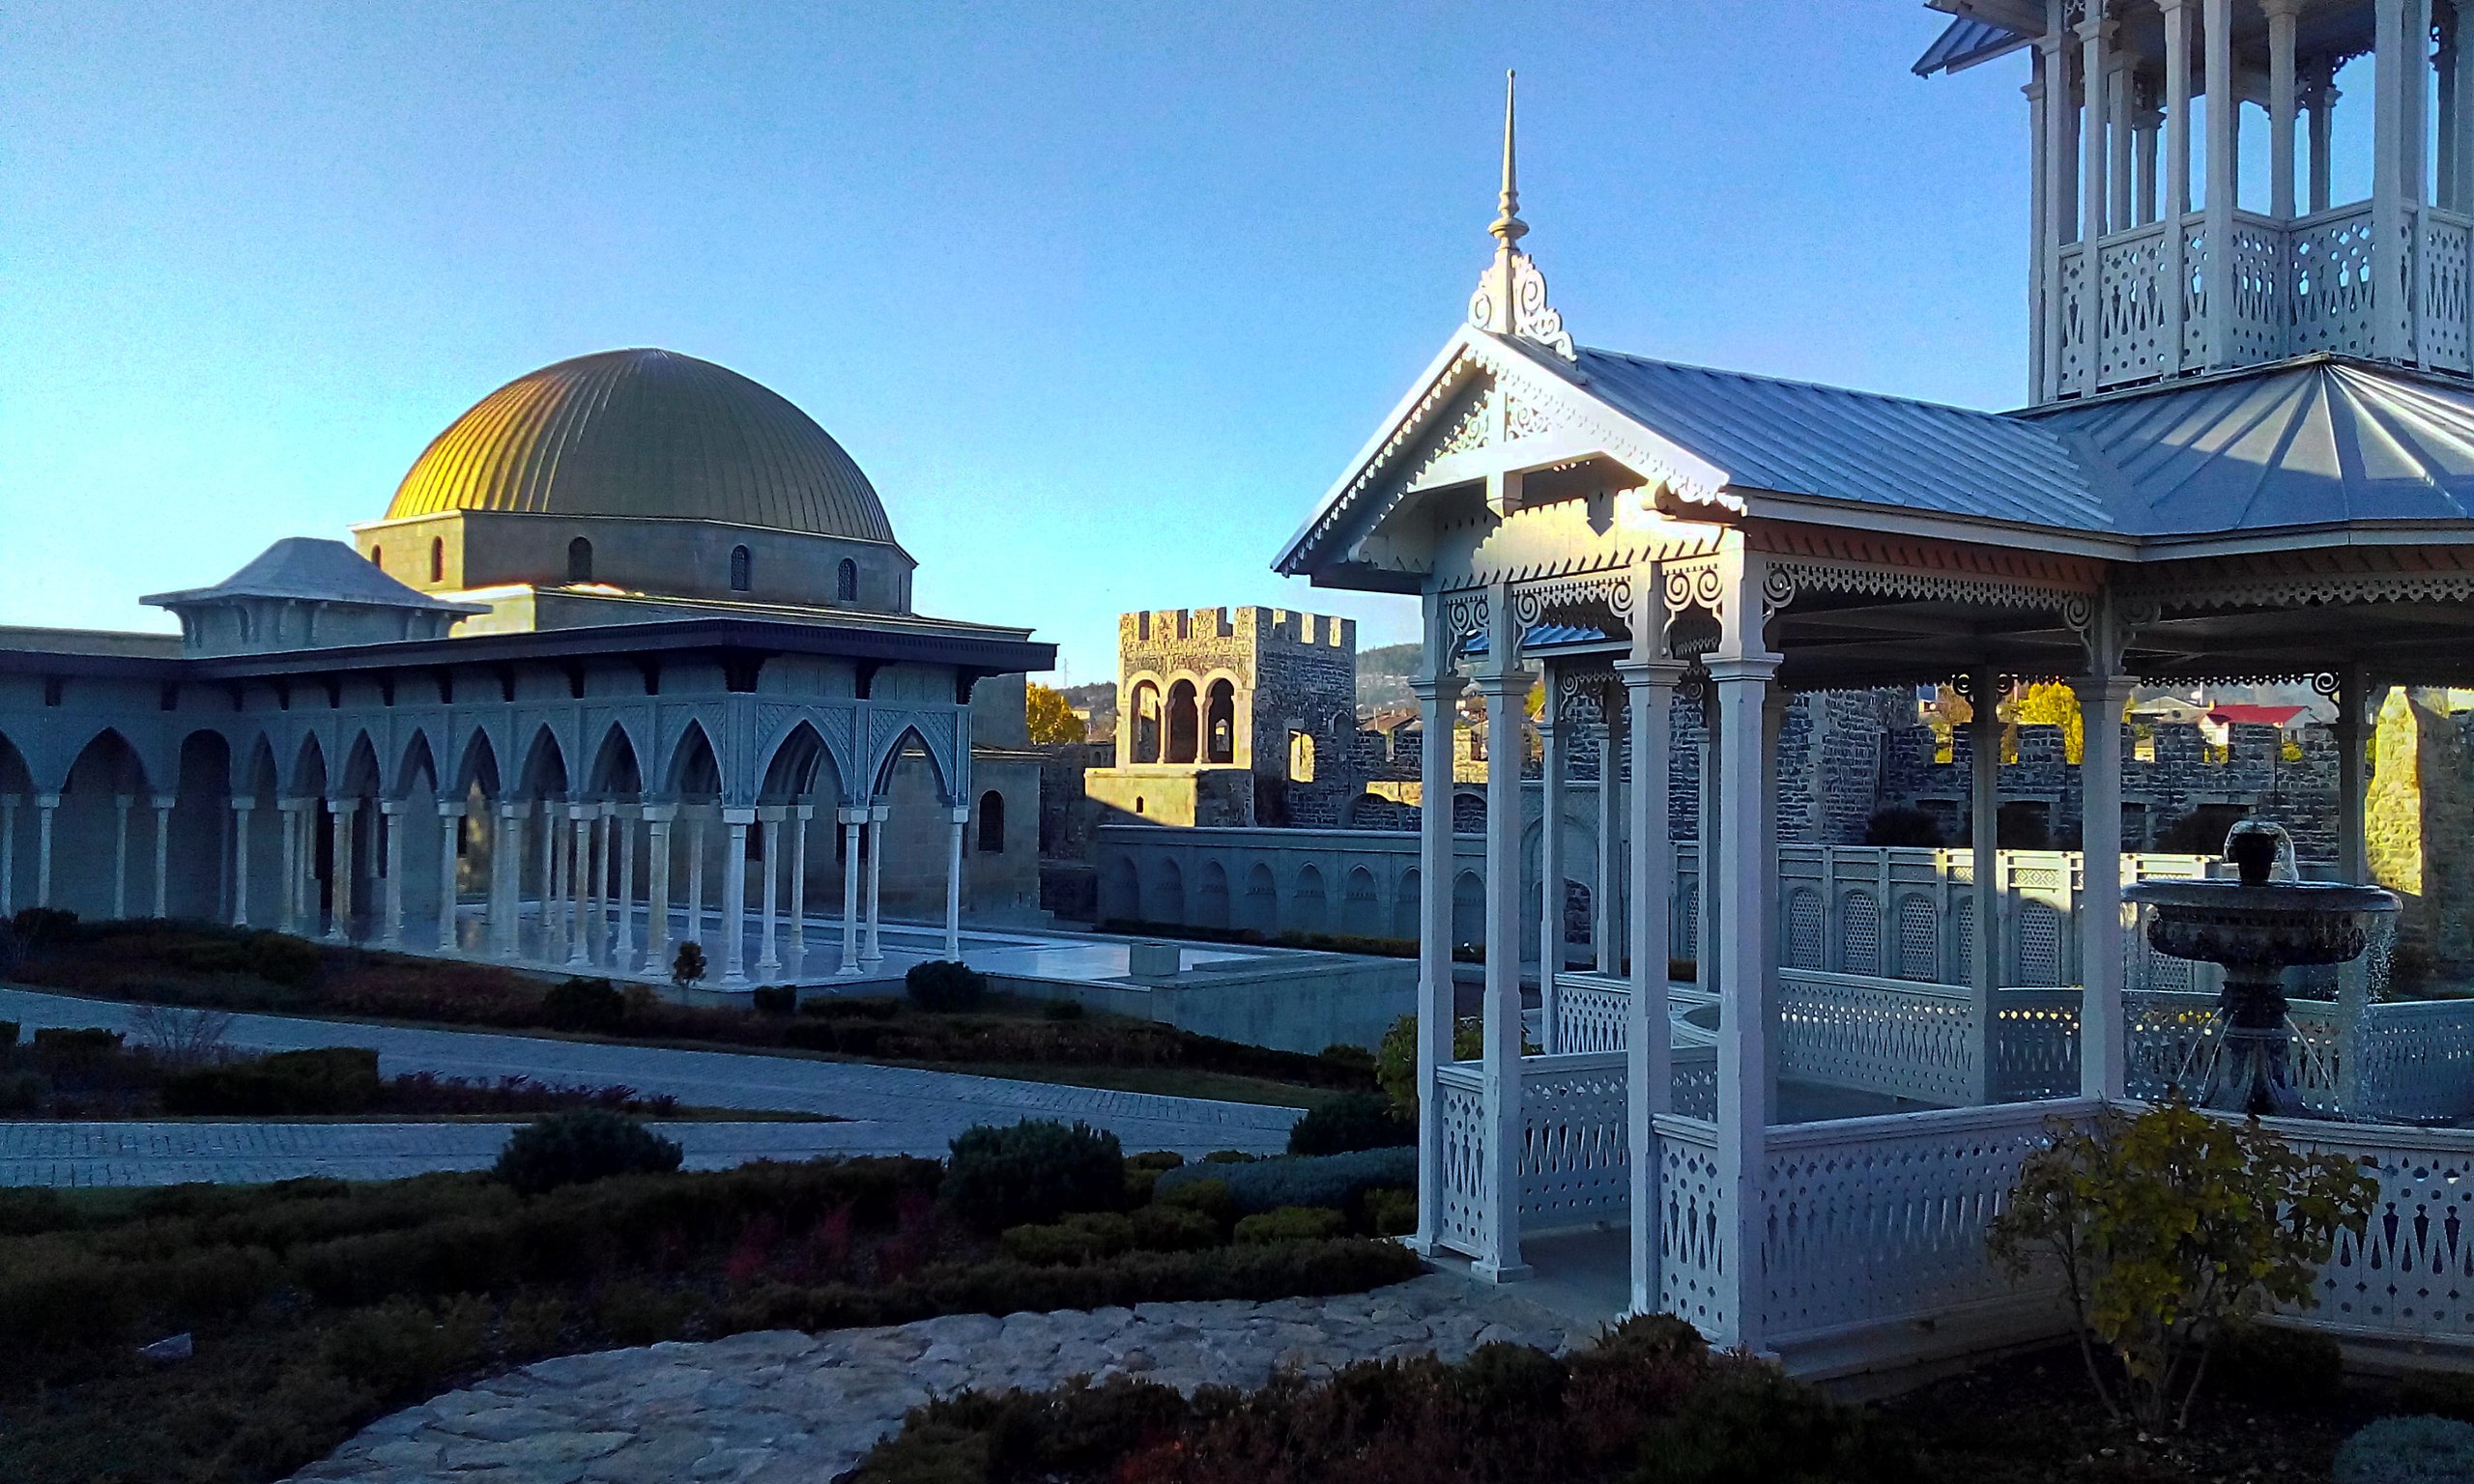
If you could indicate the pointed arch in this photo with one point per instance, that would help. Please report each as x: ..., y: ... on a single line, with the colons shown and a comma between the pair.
x: 1261, y: 909
x: 362, y: 775
x: 106, y: 759
x: 417, y: 770
x: 880, y: 775
x: 309, y: 768
x: 1211, y: 898
x: 15, y: 776
x: 477, y: 765
x: 545, y: 773
x: 694, y: 768
x: 1308, y: 904
x: 803, y: 765
x: 258, y: 778
x: 615, y: 771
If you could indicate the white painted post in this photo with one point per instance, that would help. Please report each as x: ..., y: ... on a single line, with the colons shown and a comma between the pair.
x: 851, y: 821
x: 1606, y: 915
x: 623, y: 951
x: 2101, y: 1072
x: 596, y: 892
x: 1984, y: 826
x: 44, y: 804
x: 390, y: 813
x: 696, y: 876
x: 550, y: 950
x: 2388, y: 186
x: 288, y: 890
x: 2282, y: 98
x: 339, y: 817
x: 163, y: 804
x: 8, y: 853
x: 798, y: 958
x: 1551, y: 727
x: 2353, y: 866
x: 769, y: 957
x: 958, y: 815
x: 450, y: 839
x: 1649, y: 690
x: 240, y: 809
x: 1506, y: 688
x: 2323, y: 104
x: 576, y: 849
x: 120, y: 854
x: 2224, y: 116
x: 2119, y: 147
x: 2178, y: 180
x: 657, y: 951
x: 734, y: 924
x: 872, y: 951
x: 2061, y: 212
x: 2041, y: 289
x: 1438, y: 691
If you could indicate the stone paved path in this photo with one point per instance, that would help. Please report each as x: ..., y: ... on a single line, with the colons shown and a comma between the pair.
x: 893, y: 1110
x: 171, y: 1153
x: 781, y: 1406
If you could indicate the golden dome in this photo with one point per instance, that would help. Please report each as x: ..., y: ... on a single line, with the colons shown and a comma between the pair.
x: 647, y: 434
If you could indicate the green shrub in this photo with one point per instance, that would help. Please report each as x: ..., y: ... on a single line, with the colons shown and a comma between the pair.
x: 945, y: 985
x: 1176, y: 1229
x: 2269, y: 1366
x: 1390, y: 1211
x: 1033, y: 1171
x: 1291, y: 1223
x: 2407, y: 1451
x: 1207, y: 1197
x: 1083, y: 1238
x: 774, y: 999
x: 8, y: 1034
x: 1350, y: 1121
x: 1061, y: 1010
x: 327, y: 1079
x: 587, y: 1144
x: 2168, y: 1228
x: 2441, y: 1393
x: 1747, y: 1423
x: 37, y: 928
x: 23, y: 1092
x: 1144, y: 1171
x: 1337, y: 1181
x: 80, y: 1044
x: 585, y: 1005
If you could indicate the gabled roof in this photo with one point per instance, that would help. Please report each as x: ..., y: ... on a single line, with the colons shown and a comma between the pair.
x: 2309, y: 442
x: 1965, y: 42
x: 1799, y: 438
x: 309, y: 569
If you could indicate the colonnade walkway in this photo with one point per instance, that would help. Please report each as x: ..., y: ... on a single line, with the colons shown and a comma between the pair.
x: 891, y: 1110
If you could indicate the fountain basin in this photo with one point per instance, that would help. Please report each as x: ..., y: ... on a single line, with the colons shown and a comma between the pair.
x: 2253, y: 930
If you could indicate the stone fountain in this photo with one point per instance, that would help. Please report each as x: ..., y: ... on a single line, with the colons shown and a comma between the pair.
x: 2255, y: 929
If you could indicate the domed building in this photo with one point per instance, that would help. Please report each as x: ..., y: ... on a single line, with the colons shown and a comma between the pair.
x: 629, y: 661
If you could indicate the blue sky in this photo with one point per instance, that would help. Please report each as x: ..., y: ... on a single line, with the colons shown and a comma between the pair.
x: 1101, y: 296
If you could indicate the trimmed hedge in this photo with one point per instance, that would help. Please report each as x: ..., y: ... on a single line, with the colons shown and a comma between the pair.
x: 588, y: 1144
x: 1035, y: 1171
x: 328, y: 1080
x: 1330, y: 1180
x: 1350, y: 1121
x: 2407, y: 1451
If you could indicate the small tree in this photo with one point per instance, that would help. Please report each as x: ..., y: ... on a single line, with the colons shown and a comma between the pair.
x: 2168, y: 1227
x: 1050, y: 716
x: 687, y: 968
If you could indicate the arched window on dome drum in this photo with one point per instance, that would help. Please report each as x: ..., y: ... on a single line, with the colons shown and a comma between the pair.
x: 579, y: 561
x: 992, y: 823
x: 846, y: 581
x: 378, y: 558
x: 437, y: 559
x: 742, y: 568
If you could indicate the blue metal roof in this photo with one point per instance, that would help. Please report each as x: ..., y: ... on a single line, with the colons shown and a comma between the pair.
x: 1543, y: 636
x: 2309, y: 442
x: 1797, y: 438
x: 1965, y: 42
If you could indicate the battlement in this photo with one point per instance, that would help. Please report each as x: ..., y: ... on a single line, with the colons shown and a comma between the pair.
x: 1249, y: 628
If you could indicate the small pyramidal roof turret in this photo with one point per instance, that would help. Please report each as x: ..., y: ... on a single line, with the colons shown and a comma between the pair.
x: 1512, y: 294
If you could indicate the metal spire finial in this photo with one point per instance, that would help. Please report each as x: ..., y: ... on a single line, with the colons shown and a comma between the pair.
x: 1507, y: 227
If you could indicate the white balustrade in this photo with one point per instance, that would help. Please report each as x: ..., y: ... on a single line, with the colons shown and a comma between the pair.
x: 1876, y: 1034
x: 1574, y: 1157
x: 2411, y: 1275
x: 1460, y: 1123
x: 1693, y: 1257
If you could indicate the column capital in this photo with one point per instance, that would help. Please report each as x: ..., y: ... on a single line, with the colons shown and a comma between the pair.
x: 1746, y: 666
x: 242, y: 804
x: 959, y: 813
x: 851, y: 814
x: 804, y: 811
x: 2279, y: 9
x: 738, y: 816
x: 1506, y: 682
x: 772, y: 813
x: 390, y: 805
x: 1641, y: 675
x: 2096, y: 26
x: 166, y: 801
x: 584, y: 813
x: 660, y: 813
x: 48, y: 799
x: 454, y: 810
x: 1442, y: 688
x: 508, y: 810
x: 879, y: 814
x: 2092, y: 689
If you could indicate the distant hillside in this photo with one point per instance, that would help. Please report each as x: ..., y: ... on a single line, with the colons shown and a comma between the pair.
x: 1383, y: 676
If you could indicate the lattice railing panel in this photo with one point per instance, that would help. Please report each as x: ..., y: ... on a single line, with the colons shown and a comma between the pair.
x: 1920, y: 938
x: 2332, y: 297
x: 2131, y: 306
x: 1460, y: 1123
x: 1575, y: 1157
x: 2444, y: 276
x: 2411, y: 1275
x: 1875, y: 1035
x: 1589, y: 1015
x: 1860, y: 933
x: 1695, y: 1258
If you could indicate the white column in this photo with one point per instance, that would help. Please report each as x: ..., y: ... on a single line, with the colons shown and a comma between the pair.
x: 44, y: 805
x: 2323, y: 105
x: 1741, y: 874
x: 1438, y: 691
x: 551, y: 948
x: 2145, y: 128
x: 696, y: 876
x: 1649, y: 691
x: 734, y: 924
x: 796, y: 961
x: 768, y: 956
x: 2177, y: 176
x: 958, y: 815
x: 2282, y: 100
x: 623, y: 949
x: 596, y: 852
x: 2041, y: 292
x: 340, y: 822
x: 288, y: 889
x: 2223, y: 167
x: 579, y: 865
x: 2455, y: 120
x: 657, y: 950
x: 450, y: 839
x: 2388, y: 181
x: 1551, y: 742
x: 872, y: 950
x: 8, y: 853
x: 2101, y: 700
x: 120, y: 853
x: 1607, y: 912
x: 2119, y: 146
x: 391, y: 815
x: 507, y: 881
x: 2354, y: 693
x: 1506, y: 688
x: 1984, y: 824
x: 2095, y: 67
x: 241, y: 810
x: 850, y: 819
x: 164, y: 802
x: 2061, y: 212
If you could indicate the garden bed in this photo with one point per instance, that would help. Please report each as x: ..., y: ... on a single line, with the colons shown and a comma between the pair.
x: 197, y: 964
x: 315, y: 1306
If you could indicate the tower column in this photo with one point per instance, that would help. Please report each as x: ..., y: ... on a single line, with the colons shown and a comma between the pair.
x: 657, y: 952
x: 2178, y: 180
x: 1505, y: 689
x: 623, y: 951
x: 2059, y: 212
x: 339, y: 893
x: 164, y: 802
x: 2281, y: 100
x: 2095, y: 70
x: 695, y: 874
x: 450, y: 842
x: 798, y: 958
x: 735, y: 897
x: 874, y: 950
x: 2389, y: 187
x: 2101, y: 1072
x: 2322, y: 103
x: 850, y: 819
x: 769, y: 957
x: 506, y: 882
x: 577, y: 849
x: 8, y: 853
x: 958, y: 815
x: 390, y: 825
x: 240, y: 809
x: 1551, y: 743
x: 120, y: 853
x: 1649, y: 691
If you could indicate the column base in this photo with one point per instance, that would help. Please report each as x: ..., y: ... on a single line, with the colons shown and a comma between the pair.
x: 1490, y: 1272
